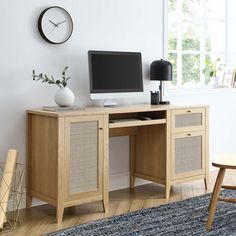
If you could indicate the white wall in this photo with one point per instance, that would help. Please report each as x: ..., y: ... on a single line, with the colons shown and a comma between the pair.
x: 125, y: 25
x: 230, y: 32
x: 132, y: 25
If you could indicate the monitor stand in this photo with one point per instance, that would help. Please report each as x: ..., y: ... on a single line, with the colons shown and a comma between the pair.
x: 109, y: 103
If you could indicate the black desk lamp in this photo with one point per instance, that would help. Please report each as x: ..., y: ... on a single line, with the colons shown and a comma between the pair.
x: 161, y: 70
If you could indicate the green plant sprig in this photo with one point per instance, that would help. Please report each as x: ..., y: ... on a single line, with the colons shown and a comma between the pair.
x: 45, y: 79
x: 212, y: 68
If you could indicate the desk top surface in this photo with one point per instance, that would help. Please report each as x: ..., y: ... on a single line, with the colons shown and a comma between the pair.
x: 115, y: 110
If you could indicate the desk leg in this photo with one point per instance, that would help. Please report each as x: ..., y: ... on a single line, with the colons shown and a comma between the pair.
x: 105, y: 203
x: 206, y: 179
x: 28, y: 200
x: 206, y: 182
x: 60, y: 212
x: 132, y: 182
x: 132, y: 160
x: 168, y: 188
x: 105, y: 181
x: 105, y: 193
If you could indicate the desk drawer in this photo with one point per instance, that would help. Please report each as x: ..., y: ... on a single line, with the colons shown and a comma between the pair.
x: 188, y: 119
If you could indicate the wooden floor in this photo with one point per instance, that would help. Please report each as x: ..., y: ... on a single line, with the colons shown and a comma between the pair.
x: 41, y: 219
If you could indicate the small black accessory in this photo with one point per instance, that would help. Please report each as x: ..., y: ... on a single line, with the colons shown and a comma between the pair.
x: 161, y: 70
x: 154, y: 98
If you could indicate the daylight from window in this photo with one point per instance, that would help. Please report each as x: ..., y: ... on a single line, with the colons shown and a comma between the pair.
x: 196, y: 38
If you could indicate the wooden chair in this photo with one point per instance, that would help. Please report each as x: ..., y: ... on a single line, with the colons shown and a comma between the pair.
x: 223, y: 162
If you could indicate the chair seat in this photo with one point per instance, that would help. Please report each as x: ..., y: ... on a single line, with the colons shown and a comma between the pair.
x: 225, y: 161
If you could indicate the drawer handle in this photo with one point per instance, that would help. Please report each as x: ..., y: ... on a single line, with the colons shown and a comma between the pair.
x: 189, y: 111
x: 100, y: 128
x: 188, y: 134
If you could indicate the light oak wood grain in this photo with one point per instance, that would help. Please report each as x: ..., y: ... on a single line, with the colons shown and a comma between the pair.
x: 49, y: 152
x: 43, y: 158
x: 151, y: 151
x: 206, y: 179
x: 152, y: 154
x: 116, y: 110
x: 188, y: 112
x: 185, y: 131
x: 214, y: 198
x: 41, y: 219
x: 136, y: 123
x: 189, y: 173
x: 105, y: 168
x: 224, y: 162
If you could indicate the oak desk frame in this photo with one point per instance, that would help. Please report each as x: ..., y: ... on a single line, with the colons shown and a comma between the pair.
x: 152, y: 155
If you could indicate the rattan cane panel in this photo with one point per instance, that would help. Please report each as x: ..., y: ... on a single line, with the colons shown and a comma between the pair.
x: 188, y: 154
x: 188, y: 120
x: 83, y: 157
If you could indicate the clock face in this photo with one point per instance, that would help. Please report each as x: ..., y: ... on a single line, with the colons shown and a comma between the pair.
x: 55, y: 25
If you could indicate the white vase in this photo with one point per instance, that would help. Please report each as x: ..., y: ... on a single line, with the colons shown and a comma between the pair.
x: 64, y: 97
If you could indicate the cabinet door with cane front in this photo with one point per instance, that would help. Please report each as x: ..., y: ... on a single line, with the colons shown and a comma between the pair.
x: 188, y: 154
x: 83, y: 157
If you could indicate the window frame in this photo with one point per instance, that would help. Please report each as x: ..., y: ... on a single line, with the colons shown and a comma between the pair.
x: 202, y: 53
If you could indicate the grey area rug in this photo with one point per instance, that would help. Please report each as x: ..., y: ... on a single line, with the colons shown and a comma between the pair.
x: 186, y: 217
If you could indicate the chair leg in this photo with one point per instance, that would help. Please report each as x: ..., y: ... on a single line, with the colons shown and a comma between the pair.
x: 215, y: 196
x: 216, y: 183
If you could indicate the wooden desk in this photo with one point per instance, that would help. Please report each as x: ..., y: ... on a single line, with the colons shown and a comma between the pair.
x: 68, y: 151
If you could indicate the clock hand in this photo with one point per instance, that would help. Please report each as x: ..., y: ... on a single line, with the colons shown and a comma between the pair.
x: 53, y: 23
x: 59, y: 23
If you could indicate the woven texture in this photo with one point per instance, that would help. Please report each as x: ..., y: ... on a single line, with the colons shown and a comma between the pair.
x: 186, y: 217
x: 188, y: 154
x: 188, y: 120
x: 83, y: 157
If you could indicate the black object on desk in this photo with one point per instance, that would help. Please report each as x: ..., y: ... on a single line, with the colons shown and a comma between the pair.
x: 154, y: 98
x: 161, y: 70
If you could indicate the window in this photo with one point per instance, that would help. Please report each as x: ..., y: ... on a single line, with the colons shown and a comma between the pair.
x: 196, y: 32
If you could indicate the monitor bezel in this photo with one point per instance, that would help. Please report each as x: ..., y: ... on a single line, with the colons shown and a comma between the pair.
x: 97, y: 91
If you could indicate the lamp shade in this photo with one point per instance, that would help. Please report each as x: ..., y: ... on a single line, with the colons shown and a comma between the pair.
x: 161, y: 70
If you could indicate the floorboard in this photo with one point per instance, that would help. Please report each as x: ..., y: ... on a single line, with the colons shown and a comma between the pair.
x: 41, y: 219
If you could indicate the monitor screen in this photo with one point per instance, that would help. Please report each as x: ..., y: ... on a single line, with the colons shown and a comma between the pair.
x: 115, y: 72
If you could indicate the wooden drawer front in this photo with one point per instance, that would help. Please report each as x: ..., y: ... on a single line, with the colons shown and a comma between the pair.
x: 188, y: 154
x: 188, y: 119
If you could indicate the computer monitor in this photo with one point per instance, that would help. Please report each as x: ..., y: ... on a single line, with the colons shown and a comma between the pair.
x: 115, y: 75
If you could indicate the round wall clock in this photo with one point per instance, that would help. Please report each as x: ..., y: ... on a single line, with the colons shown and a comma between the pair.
x: 55, y: 25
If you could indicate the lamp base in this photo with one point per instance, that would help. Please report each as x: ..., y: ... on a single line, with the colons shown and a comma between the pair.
x: 164, y: 102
